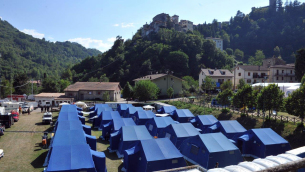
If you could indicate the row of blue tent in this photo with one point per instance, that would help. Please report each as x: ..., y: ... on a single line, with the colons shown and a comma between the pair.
x: 227, y: 140
x: 72, y: 147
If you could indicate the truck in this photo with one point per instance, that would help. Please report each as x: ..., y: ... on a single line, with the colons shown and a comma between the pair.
x: 15, y: 115
x: 47, y: 118
x: 7, y: 119
x: 44, y: 104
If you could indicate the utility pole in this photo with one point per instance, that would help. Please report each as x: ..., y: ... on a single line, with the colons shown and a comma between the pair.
x: 11, y: 84
x: 32, y: 86
x: 0, y: 75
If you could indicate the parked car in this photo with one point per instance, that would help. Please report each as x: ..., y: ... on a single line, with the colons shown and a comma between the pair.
x: 7, y: 120
x: 15, y: 116
x: 1, y: 153
x: 274, y: 112
x: 47, y: 117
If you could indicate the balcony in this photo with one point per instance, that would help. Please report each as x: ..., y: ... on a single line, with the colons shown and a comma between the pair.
x: 284, y: 74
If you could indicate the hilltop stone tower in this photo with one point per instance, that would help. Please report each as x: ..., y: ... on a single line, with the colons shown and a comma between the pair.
x: 272, y: 4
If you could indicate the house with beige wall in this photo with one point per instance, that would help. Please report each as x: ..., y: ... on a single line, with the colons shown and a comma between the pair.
x: 217, y: 75
x: 94, y: 90
x: 54, y: 98
x: 250, y: 74
x: 164, y: 81
x: 282, y: 74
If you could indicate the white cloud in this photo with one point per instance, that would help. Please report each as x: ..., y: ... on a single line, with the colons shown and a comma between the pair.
x: 33, y: 32
x: 92, y: 43
x: 127, y: 25
x: 0, y: 18
x: 124, y: 25
x: 111, y: 39
x: 50, y: 38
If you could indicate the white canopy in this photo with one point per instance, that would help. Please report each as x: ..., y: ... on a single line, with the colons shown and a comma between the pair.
x: 162, y: 115
x: 81, y: 104
x: 64, y: 103
x: 148, y: 107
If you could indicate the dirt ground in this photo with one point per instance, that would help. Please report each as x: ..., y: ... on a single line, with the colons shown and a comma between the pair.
x: 23, y: 150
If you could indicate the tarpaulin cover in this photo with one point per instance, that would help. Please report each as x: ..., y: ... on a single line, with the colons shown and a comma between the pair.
x: 141, y: 117
x: 156, y: 124
x: 68, y: 108
x: 99, y: 161
x: 68, y: 116
x: 177, y: 133
x: 71, y: 158
x: 204, y: 122
x: 231, y: 128
x: 87, y: 129
x: 262, y: 142
x: 130, y: 135
x: 98, y: 111
x: 123, y: 107
x: 91, y: 140
x: 131, y: 111
x: 154, y: 155
x: 98, y: 118
x: 68, y: 125
x: 166, y: 109
x: 119, y: 122
x: 115, y: 140
x: 107, y: 117
x: 69, y: 137
x: 182, y: 115
x: 208, y: 149
x: 82, y: 119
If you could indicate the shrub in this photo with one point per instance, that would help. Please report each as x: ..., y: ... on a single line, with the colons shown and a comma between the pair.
x: 225, y: 110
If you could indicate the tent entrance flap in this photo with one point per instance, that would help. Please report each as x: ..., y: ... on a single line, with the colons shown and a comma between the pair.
x: 245, y: 137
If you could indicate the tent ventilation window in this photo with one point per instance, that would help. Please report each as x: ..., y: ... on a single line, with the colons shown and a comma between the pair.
x: 194, y: 149
x: 140, y: 159
x: 168, y: 135
x: 283, y: 145
x: 150, y: 127
x: 174, y: 161
x: 231, y: 152
x: 203, y: 151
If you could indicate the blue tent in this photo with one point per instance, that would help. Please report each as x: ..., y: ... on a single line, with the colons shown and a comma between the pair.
x: 153, y: 155
x: 127, y: 137
x: 131, y: 111
x: 99, y: 110
x: 123, y: 107
x: 208, y: 149
x: 156, y: 124
x: 69, y: 108
x: 230, y: 128
x: 96, y: 122
x: 115, y: 125
x: 203, y: 122
x: 99, y: 160
x: 72, y: 125
x: 106, y: 122
x: 166, y: 109
x: 141, y: 117
x: 182, y: 115
x: 177, y: 133
x: 261, y: 143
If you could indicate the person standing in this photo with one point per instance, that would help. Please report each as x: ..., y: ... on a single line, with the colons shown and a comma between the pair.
x: 29, y: 111
x: 20, y: 110
x: 41, y: 108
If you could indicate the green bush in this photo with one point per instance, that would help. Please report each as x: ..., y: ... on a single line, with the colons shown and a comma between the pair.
x: 225, y: 110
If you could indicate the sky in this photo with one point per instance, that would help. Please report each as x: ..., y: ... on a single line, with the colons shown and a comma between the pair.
x: 96, y: 23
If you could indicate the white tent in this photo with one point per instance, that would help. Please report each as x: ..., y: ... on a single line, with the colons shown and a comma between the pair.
x: 64, y: 103
x: 81, y: 104
x: 148, y: 107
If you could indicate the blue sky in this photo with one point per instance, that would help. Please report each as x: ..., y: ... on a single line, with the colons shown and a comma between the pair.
x: 96, y: 23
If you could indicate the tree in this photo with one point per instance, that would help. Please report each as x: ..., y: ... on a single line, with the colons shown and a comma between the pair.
x: 277, y: 51
x: 226, y: 85
x: 5, y: 88
x: 106, y: 96
x: 189, y: 85
x: 21, y: 84
x: 258, y: 59
x: 300, y: 64
x: 51, y: 85
x: 67, y: 75
x: 295, y: 103
x: 270, y: 98
x: 63, y: 84
x: 145, y: 90
x: 170, y: 92
x: 243, y: 97
x: 241, y: 84
x: 303, y: 80
x: 224, y: 98
x: 207, y: 85
x: 103, y: 78
x: 180, y: 67
x: 239, y: 54
x: 127, y: 91
x: 93, y: 79
x: 229, y: 51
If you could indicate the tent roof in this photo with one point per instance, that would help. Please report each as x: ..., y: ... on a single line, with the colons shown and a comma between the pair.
x: 103, y: 109
x: 207, y: 119
x: 69, y: 137
x: 169, y: 109
x: 159, y: 149
x: 124, y: 106
x: 132, y: 110
x: 217, y: 142
x: 68, y: 116
x: 131, y: 133
x: 69, y: 125
x: 163, y: 122
x: 183, y: 113
x: 268, y: 136
x: 184, y: 130
x: 68, y: 108
x: 119, y: 122
x: 73, y: 157
x: 232, y: 126
x: 109, y: 115
x: 142, y: 114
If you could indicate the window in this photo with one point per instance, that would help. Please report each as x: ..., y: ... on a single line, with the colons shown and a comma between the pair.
x: 194, y: 149
x: 249, y: 74
x: 89, y: 92
x: 202, y: 73
x: 282, y: 71
x: 290, y: 78
x: 150, y: 128
x: 239, y: 74
x: 237, y: 68
x: 277, y: 78
x: 70, y: 94
x: 171, y: 78
x: 248, y: 80
x: 174, y: 161
x: 282, y: 78
x: 212, y: 72
x: 254, y: 81
x: 291, y: 71
x: 164, y: 79
x: 98, y: 93
x: 277, y: 71
x: 168, y: 135
x: 228, y: 79
x: 203, y: 151
x: 231, y: 152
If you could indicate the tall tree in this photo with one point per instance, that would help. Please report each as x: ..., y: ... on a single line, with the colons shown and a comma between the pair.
x: 241, y: 84
x: 145, y: 90
x: 21, y: 84
x: 226, y: 85
x: 243, y: 97
x: 127, y: 91
x: 270, y: 98
x: 258, y: 59
x: 295, y: 103
x: 300, y: 64
x: 224, y: 98
x: 207, y: 85
x: 170, y: 92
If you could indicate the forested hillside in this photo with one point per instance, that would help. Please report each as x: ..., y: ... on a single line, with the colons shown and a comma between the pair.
x: 278, y: 31
x: 182, y: 53
x: 25, y: 54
